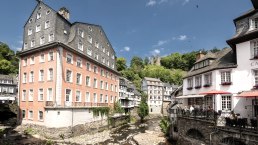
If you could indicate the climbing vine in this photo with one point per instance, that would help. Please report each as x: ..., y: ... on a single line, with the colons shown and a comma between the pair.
x: 100, y: 111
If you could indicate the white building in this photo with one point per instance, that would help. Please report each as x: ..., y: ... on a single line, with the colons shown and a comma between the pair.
x: 231, y: 70
x: 129, y: 97
x: 154, y: 89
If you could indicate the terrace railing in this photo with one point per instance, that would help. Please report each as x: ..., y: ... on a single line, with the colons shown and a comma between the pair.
x: 198, y: 113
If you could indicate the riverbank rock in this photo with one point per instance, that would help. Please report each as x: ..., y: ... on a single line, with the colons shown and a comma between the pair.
x: 143, y: 125
x: 149, y: 138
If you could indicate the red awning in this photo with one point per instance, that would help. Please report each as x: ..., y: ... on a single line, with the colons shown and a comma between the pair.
x: 213, y: 92
x: 248, y: 94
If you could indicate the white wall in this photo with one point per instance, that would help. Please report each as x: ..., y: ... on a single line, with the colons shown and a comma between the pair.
x: 68, y: 117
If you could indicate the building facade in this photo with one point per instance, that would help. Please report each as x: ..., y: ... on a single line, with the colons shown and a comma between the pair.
x: 8, y: 88
x: 65, y: 69
x: 129, y: 97
x: 230, y: 74
x: 158, y: 94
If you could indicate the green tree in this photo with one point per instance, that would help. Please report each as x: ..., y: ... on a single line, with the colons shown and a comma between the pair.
x: 164, y: 125
x: 121, y: 64
x: 143, y: 109
x: 9, y: 63
x: 118, y: 108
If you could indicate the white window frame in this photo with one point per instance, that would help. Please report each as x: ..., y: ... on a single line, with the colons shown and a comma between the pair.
x: 32, y: 43
x: 89, y: 51
x: 95, y: 69
x: 189, y: 82
x: 23, y: 95
x: 47, y: 24
x: 71, y: 76
x: 31, y: 79
x: 68, y: 98
x: 29, y: 31
x: 42, y: 40
x: 80, y: 79
x: 50, y: 76
x: 30, y: 116
x: 87, y: 83
x: 101, y: 85
x: 39, y: 116
x: 79, y: 99
x: 87, y: 97
x: 80, y: 32
x: 89, y: 39
x: 226, y: 102
x: 50, y: 56
x: 49, y: 94
x: 198, y: 81
x: 79, y: 62
x: 106, y: 85
x: 69, y: 58
x: 38, y: 28
x: 254, y: 49
x: 24, y: 80
x: 80, y: 45
x: 225, y: 76
x: 101, y: 98
x: 88, y: 66
x: 42, y: 59
x: 25, y: 45
x: 40, y: 93
x: 41, y: 75
x: 38, y: 15
x: 31, y: 95
x: 208, y: 79
x: 51, y: 37
x: 95, y: 83
x: 95, y: 97
x: 32, y: 60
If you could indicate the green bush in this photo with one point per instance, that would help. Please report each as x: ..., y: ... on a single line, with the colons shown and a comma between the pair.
x: 165, y: 125
x: 29, y: 131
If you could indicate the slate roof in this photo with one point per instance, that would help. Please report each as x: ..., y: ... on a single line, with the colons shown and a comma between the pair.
x: 8, y: 77
x: 209, y: 55
x: 152, y: 79
x: 224, y: 59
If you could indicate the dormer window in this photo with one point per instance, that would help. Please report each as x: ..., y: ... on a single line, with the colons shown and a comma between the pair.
x: 51, y: 37
x: 40, y: 8
x: 47, y: 24
x: 30, y: 20
x: 25, y: 45
x: 81, y: 33
x: 48, y: 12
x: 32, y: 44
x: 38, y: 28
x: 90, y: 28
x: 38, y: 15
x: 253, y: 23
x: 89, y: 39
x: 42, y: 40
x: 29, y: 32
x: 103, y: 49
x: 97, y: 44
x: 80, y: 45
x: 89, y: 51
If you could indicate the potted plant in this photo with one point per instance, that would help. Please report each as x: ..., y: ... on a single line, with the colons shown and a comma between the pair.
x: 226, y: 83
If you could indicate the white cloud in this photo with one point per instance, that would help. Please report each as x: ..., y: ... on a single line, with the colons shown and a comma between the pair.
x: 127, y: 48
x: 160, y: 43
x: 155, y: 52
x: 182, y: 37
x: 186, y: 1
x: 155, y: 2
x: 151, y: 3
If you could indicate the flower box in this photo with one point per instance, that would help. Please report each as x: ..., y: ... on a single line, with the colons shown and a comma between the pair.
x: 189, y: 88
x: 226, y: 83
x: 207, y: 85
x: 197, y: 87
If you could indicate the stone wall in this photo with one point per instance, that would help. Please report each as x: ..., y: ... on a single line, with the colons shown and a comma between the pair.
x: 193, y: 131
x: 119, y: 120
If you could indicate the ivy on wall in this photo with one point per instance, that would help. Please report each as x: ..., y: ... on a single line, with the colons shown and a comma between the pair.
x: 100, y: 111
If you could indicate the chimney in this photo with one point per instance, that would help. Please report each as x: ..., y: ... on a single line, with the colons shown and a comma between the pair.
x: 199, y: 55
x: 64, y: 12
x: 255, y: 4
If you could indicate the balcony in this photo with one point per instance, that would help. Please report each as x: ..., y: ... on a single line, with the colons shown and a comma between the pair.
x: 76, y: 104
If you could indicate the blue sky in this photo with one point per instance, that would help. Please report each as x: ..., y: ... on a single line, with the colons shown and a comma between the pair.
x: 139, y: 27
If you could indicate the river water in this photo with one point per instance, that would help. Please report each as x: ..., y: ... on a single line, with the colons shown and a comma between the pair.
x: 124, y: 135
